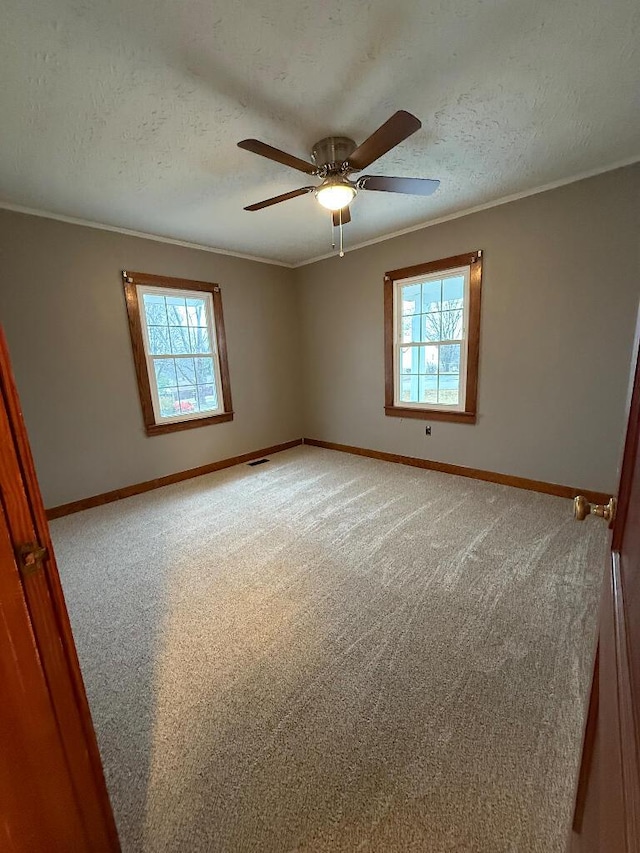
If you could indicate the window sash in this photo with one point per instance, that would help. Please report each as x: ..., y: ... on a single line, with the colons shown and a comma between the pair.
x: 143, y: 289
x: 398, y: 344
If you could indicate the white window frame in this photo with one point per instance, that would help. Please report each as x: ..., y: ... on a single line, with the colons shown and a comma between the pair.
x: 398, y: 344
x: 141, y: 290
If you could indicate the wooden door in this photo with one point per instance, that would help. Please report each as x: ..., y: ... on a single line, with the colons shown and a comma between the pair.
x: 52, y: 791
x: 607, y: 813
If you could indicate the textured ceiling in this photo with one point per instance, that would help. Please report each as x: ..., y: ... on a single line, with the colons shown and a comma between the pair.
x: 128, y: 113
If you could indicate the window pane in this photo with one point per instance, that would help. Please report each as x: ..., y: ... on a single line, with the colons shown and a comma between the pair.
x: 409, y: 359
x: 169, y: 403
x: 431, y: 327
x: 176, y: 311
x: 431, y: 292
x: 453, y: 292
x: 154, y: 309
x: 200, y: 340
x: 204, y: 371
x: 428, y: 359
x: 410, y: 299
x: 180, y: 343
x: 449, y: 389
x: 207, y: 397
x: 428, y: 389
x: 185, y: 371
x: 196, y: 312
x: 165, y: 373
x: 188, y: 400
x: 159, y: 340
x: 409, y: 389
x: 452, y: 325
x: 450, y: 358
x: 411, y: 330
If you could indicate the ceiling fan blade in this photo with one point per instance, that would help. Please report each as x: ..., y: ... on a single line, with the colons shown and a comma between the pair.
x: 400, y: 126
x: 346, y: 216
x: 278, y: 198
x: 271, y: 153
x: 410, y: 186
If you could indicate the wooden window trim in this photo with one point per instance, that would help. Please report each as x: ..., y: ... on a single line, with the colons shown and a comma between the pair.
x: 469, y: 413
x: 130, y: 282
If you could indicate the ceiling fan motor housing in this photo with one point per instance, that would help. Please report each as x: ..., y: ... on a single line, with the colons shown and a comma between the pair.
x: 332, y: 151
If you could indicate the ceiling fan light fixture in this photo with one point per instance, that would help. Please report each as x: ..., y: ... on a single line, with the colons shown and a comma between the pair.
x: 336, y: 194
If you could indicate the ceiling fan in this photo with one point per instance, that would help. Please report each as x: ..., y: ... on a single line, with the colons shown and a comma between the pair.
x: 336, y: 158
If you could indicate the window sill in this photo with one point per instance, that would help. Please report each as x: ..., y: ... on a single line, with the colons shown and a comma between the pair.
x: 430, y: 414
x: 176, y: 426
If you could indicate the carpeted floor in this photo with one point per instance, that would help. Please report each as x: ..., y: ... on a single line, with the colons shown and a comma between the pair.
x: 330, y: 653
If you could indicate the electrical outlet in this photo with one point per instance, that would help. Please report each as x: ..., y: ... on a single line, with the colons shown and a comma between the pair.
x: 427, y: 430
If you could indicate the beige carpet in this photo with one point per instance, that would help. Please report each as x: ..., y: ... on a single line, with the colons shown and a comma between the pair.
x: 330, y: 653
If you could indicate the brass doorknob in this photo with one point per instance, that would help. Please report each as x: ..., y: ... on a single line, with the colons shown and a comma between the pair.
x: 582, y: 508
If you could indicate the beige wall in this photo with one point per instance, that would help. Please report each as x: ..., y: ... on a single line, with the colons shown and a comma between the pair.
x: 63, y: 310
x: 560, y: 292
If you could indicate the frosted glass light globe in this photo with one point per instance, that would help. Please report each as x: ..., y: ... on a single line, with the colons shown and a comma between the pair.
x: 335, y: 196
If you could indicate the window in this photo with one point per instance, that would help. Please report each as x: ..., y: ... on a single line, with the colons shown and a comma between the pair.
x: 432, y: 335
x: 180, y: 353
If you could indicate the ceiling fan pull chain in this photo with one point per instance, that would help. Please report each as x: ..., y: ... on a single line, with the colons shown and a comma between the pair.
x: 333, y: 232
x: 341, y: 243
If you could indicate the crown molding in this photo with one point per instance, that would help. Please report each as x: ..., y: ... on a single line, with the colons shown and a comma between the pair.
x: 72, y: 220
x: 477, y: 209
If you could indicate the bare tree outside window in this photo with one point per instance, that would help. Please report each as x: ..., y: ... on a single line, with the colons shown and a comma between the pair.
x: 431, y: 338
x: 179, y: 331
